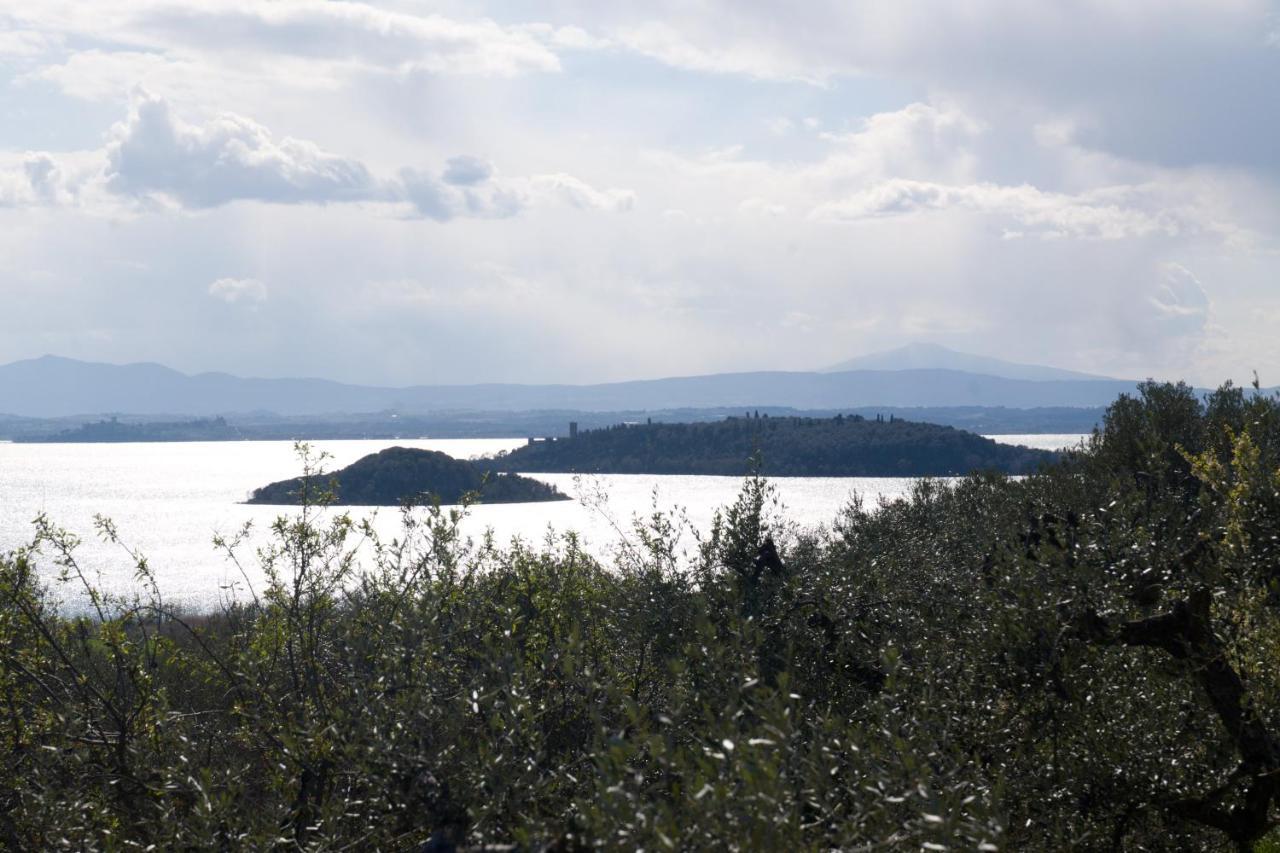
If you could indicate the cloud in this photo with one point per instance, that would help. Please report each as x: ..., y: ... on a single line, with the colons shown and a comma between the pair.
x: 760, y: 58
x: 360, y: 36
x: 918, y: 139
x: 938, y: 160
x: 154, y: 156
x: 376, y: 37
x: 566, y: 37
x: 1150, y: 84
x: 470, y: 187
x: 190, y: 79
x: 1167, y: 318
x: 43, y: 176
x: 247, y: 291
x: 152, y: 152
x: 1096, y: 215
x: 921, y: 141
x: 466, y: 171
x: 15, y: 189
x: 578, y: 193
x: 24, y: 44
x: 442, y: 199
x: 756, y: 206
x: 37, y: 179
x: 780, y: 125
x: 1179, y: 297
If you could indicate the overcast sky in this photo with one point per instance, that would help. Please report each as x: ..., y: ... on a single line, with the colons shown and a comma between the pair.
x: 415, y: 191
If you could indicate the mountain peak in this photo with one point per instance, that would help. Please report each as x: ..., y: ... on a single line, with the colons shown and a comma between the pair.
x: 930, y: 356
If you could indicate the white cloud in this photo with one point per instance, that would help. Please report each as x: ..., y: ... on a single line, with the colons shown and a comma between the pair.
x: 190, y: 79
x: 1167, y: 319
x: 756, y: 206
x: 38, y: 179
x: 567, y: 38
x: 919, y: 140
x: 1096, y: 215
x: 1179, y: 296
x: 360, y: 35
x: 25, y: 44
x: 916, y: 125
x: 247, y: 291
x: 755, y: 58
x: 441, y: 199
x: 15, y: 188
x: 923, y: 142
x: 1144, y: 78
x: 470, y: 187
x: 43, y: 176
x: 780, y: 125
x: 380, y: 38
x: 578, y: 193
x: 940, y: 159
x: 797, y: 320
x: 466, y: 171
x: 156, y: 156
x: 154, y: 153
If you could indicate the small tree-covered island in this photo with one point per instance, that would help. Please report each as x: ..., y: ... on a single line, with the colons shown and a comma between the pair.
x: 787, y: 447
x: 401, y: 475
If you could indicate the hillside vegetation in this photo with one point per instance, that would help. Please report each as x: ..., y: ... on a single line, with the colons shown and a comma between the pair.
x: 787, y: 447
x: 1084, y: 659
x: 398, y: 475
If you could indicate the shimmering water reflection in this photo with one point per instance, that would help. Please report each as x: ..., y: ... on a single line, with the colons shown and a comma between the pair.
x: 168, y: 500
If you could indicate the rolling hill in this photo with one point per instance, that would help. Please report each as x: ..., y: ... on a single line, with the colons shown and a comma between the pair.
x: 57, y: 387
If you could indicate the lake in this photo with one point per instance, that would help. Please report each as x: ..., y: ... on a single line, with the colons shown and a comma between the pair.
x: 168, y: 499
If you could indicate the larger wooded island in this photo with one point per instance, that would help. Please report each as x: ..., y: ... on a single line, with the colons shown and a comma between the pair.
x: 401, y: 474
x: 787, y: 447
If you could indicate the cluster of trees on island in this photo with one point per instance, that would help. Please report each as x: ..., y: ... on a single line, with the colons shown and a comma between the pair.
x: 400, y: 475
x: 1084, y: 658
x: 840, y: 446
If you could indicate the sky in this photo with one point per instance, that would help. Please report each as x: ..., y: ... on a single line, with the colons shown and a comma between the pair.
x: 574, y: 191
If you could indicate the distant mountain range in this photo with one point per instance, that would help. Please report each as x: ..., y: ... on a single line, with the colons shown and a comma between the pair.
x: 921, y: 356
x: 51, y: 387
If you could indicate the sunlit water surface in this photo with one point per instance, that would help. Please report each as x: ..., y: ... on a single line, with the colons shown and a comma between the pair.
x: 1044, y: 441
x: 169, y: 499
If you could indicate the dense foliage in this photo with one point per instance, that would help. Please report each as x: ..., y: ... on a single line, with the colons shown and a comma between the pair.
x: 398, y: 475
x: 789, y: 447
x: 1082, y: 659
